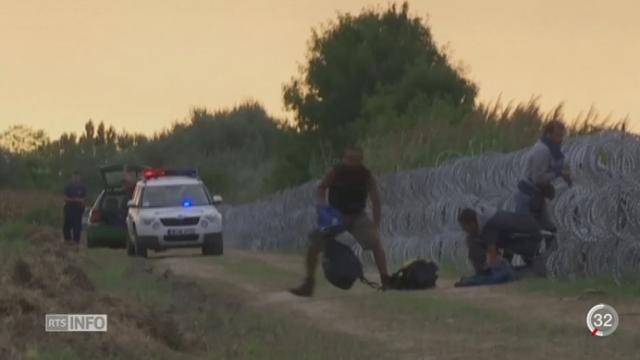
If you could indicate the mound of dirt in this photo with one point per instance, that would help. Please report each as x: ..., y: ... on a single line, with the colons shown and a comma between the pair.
x: 49, y: 278
x: 21, y: 273
x: 17, y: 303
x: 77, y: 278
x: 38, y: 235
x: 7, y: 351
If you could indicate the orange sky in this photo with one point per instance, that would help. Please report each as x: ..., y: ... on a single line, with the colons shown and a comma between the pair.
x: 142, y: 64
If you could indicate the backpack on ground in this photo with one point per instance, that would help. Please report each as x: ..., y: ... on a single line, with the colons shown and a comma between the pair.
x: 415, y: 275
x: 341, y: 266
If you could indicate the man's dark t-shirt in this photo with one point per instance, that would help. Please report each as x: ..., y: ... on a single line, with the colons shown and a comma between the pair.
x: 75, y: 191
x: 498, y: 230
x: 350, y: 188
x: 503, y: 224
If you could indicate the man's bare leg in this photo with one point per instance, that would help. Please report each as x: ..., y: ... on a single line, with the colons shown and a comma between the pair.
x: 381, y: 260
x: 315, y: 248
x: 311, y: 263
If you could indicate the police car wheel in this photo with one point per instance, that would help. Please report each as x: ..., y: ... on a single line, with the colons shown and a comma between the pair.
x: 212, y: 247
x: 139, y: 249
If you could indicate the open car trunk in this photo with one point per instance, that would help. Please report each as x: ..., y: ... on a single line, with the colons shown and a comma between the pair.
x: 113, y: 202
x: 113, y: 208
x: 113, y: 175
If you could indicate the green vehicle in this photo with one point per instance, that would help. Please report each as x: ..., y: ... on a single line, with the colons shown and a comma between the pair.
x: 107, y: 218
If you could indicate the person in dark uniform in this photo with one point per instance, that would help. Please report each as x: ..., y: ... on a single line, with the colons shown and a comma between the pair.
x: 75, y: 195
x: 500, y: 231
x: 349, y: 185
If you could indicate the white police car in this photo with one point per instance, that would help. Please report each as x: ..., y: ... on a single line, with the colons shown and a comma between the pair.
x: 173, y: 209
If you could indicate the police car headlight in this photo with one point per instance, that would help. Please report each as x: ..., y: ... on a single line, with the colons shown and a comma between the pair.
x: 212, y: 218
x: 147, y: 221
x: 204, y: 224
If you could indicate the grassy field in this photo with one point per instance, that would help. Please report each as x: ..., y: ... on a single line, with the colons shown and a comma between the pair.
x: 12, y: 242
x: 445, y: 323
x: 151, y: 314
x: 180, y: 305
x: 584, y: 288
x: 32, y: 207
x: 215, y: 313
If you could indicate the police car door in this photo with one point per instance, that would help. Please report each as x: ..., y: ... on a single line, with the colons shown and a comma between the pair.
x: 134, y: 210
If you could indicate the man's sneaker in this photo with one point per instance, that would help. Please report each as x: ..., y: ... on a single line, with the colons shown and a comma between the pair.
x: 305, y: 290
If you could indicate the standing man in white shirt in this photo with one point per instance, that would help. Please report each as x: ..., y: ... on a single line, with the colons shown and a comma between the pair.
x: 545, y: 162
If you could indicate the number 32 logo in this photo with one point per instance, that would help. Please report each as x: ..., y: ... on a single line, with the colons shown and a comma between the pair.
x: 602, y: 320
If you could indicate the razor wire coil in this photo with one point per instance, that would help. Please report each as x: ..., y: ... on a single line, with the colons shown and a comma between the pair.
x: 598, y: 218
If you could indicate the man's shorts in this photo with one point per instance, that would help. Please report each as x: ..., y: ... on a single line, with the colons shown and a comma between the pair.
x: 361, y: 228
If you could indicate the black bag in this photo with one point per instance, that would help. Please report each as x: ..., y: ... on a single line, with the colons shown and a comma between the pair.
x: 341, y: 266
x: 418, y: 274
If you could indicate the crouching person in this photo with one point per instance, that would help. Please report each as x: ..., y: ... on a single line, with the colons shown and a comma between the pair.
x: 498, y: 236
x: 349, y: 184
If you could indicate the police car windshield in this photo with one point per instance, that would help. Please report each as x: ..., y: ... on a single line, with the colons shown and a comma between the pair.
x: 174, y: 196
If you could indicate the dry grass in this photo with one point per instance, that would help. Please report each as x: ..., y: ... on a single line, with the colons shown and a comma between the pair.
x: 444, y: 133
x: 49, y: 278
x: 30, y: 206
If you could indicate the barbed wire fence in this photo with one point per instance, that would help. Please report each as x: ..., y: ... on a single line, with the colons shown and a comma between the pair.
x: 598, y: 218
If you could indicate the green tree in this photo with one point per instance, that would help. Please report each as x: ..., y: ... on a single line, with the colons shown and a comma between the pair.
x: 101, y: 136
x: 5, y: 165
x: 22, y: 139
x: 373, y: 54
x: 124, y: 141
x: 87, y: 139
x: 111, y: 147
x: 111, y: 136
x: 292, y: 159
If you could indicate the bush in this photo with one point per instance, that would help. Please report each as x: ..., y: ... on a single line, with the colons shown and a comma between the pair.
x: 30, y: 206
x: 444, y: 131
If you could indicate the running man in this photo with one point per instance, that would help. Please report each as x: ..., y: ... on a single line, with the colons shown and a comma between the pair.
x: 349, y: 184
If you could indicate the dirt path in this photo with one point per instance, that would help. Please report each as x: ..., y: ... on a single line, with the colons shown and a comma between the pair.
x: 329, y: 314
x: 506, y: 297
x: 349, y: 313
